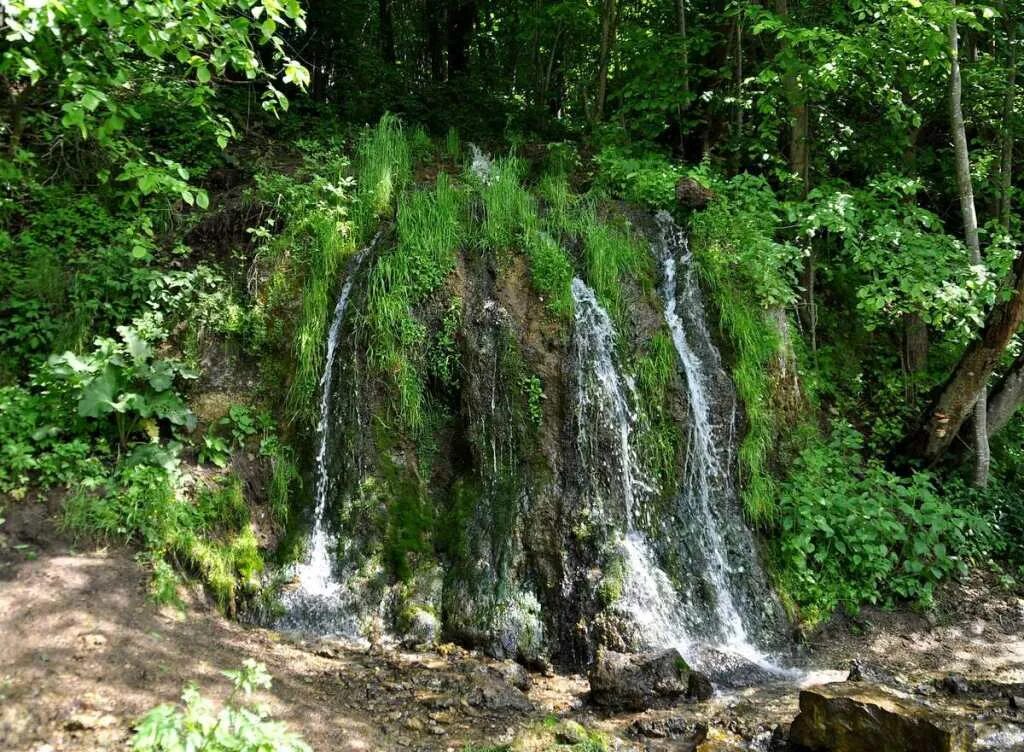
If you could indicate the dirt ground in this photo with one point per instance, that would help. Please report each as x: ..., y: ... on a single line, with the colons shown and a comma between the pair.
x: 83, y: 653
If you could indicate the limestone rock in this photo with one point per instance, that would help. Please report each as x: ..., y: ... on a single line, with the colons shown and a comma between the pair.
x: 851, y: 717
x: 637, y: 681
x: 699, y: 687
x: 570, y: 732
x: 514, y: 674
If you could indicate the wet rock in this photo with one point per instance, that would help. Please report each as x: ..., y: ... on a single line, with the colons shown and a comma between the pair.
x: 720, y: 740
x: 637, y: 681
x: 955, y: 685
x: 570, y: 732
x: 1016, y: 702
x: 423, y: 628
x: 674, y: 727
x: 863, y: 671
x: 514, y: 674
x: 733, y: 671
x: 699, y: 687
x: 854, y: 717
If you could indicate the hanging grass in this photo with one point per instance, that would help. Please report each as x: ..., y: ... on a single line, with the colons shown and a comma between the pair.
x: 430, y: 229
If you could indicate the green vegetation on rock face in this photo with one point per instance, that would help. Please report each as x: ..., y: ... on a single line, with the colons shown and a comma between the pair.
x: 733, y: 241
x: 430, y: 229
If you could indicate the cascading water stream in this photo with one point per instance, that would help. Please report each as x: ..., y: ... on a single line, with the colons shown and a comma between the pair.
x: 700, y: 608
x: 318, y: 602
x: 648, y: 596
x: 709, y: 497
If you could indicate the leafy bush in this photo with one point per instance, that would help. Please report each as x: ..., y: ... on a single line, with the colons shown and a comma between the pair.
x: 645, y: 177
x: 34, y: 447
x: 854, y: 532
x: 69, y: 266
x: 127, y: 382
x: 197, y: 726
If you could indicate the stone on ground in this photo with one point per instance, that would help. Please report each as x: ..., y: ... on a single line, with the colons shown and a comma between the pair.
x: 854, y: 717
x: 637, y: 681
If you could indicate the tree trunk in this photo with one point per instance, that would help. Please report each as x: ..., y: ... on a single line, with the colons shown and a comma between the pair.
x: 1006, y: 137
x: 1006, y: 397
x: 609, y: 23
x: 387, y: 31
x: 461, y: 19
x: 435, y: 47
x: 970, y: 221
x: 738, y: 73
x: 799, y: 164
x: 915, y: 343
x: 959, y: 394
x: 681, y: 12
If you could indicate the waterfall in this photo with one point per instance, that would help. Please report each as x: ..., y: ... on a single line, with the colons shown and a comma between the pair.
x: 717, y: 545
x: 704, y: 608
x: 480, y: 165
x: 603, y: 396
x: 319, y: 602
x: 604, y: 399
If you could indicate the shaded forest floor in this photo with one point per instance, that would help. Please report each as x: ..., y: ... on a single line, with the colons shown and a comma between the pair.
x: 83, y: 652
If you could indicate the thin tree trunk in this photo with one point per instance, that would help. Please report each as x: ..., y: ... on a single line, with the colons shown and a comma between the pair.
x: 970, y: 222
x: 681, y: 11
x: 799, y: 165
x: 1006, y: 137
x: 461, y: 19
x: 387, y: 31
x: 739, y: 76
x: 958, y: 396
x: 609, y: 22
x: 435, y: 46
x: 1006, y: 397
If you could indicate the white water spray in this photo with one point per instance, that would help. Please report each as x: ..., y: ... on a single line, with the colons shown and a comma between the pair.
x: 318, y: 601
x: 701, y: 615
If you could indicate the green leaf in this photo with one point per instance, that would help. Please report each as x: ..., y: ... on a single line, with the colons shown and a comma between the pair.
x: 138, y: 348
x: 97, y: 397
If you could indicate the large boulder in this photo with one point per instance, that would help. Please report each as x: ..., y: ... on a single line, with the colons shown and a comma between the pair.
x: 855, y: 717
x: 637, y: 681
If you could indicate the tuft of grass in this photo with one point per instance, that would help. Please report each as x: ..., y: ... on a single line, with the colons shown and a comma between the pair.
x: 383, y: 169
x: 430, y: 230
x: 714, y: 237
x: 285, y: 480
x: 561, y: 205
x: 550, y: 271
x: 510, y: 209
x: 453, y: 145
x: 611, y: 255
x: 324, y: 231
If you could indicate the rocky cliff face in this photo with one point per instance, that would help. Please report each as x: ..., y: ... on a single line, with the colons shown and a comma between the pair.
x: 501, y: 521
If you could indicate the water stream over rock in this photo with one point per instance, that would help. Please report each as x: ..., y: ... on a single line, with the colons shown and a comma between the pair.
x: 554, y: 537
x: 319, y: 602
x: 713, y: 596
